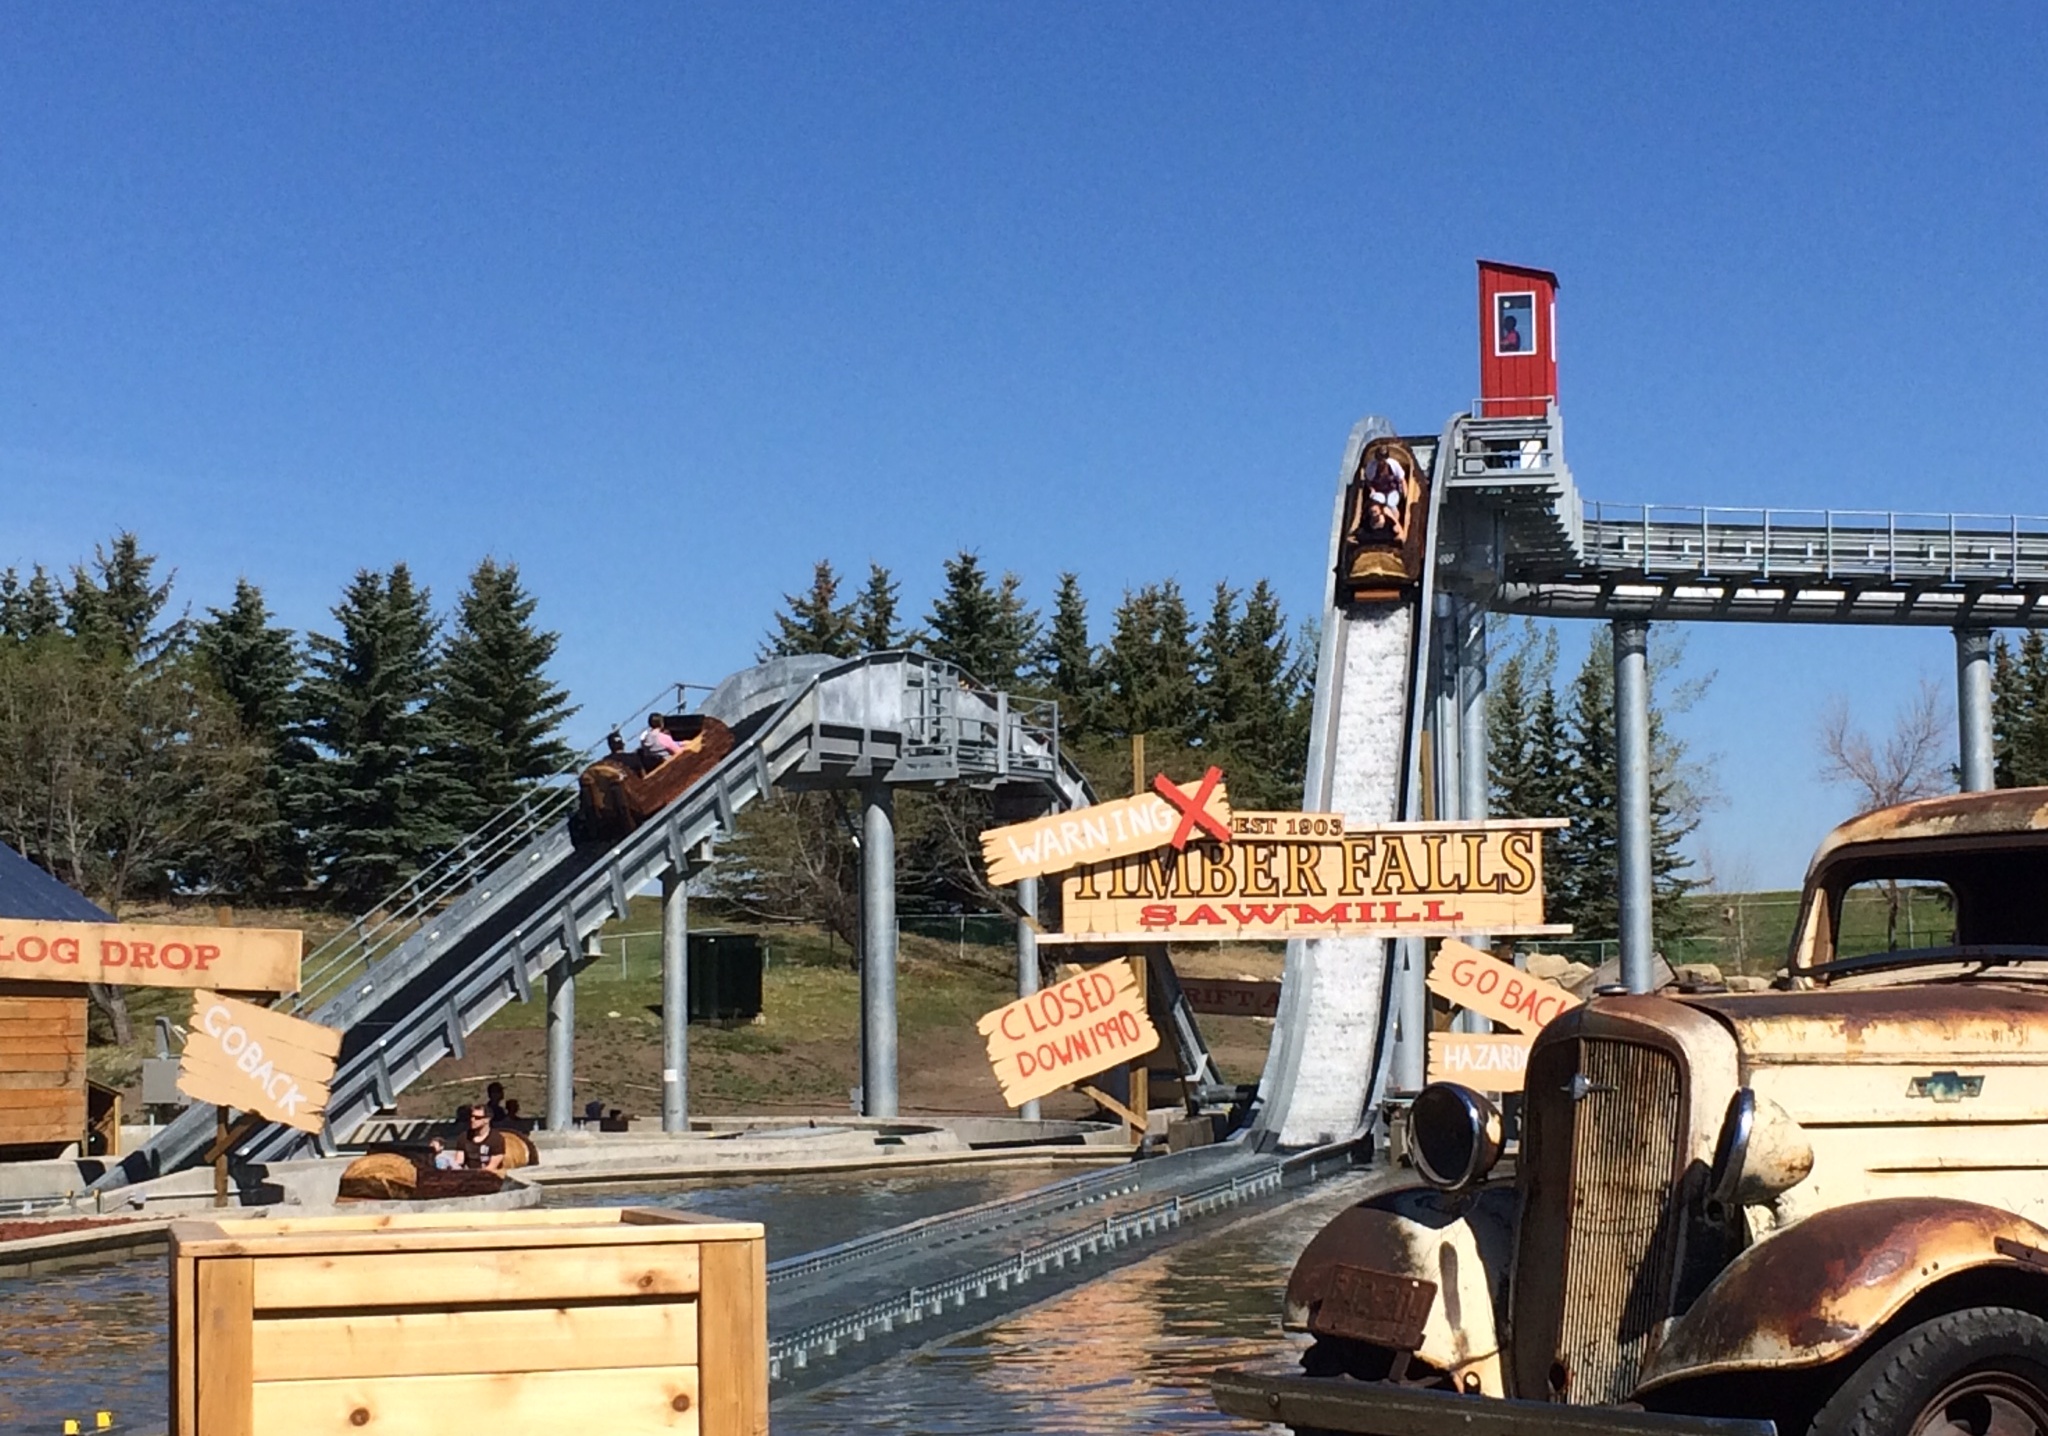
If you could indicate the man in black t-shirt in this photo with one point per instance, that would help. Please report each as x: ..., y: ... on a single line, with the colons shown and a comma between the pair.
x: 482, y: 1149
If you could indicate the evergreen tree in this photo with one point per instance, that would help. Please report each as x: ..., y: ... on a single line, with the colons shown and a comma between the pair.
x: 1250, y: 715
x: 501, y: 717
x: 256, y: 665
x: 112, y: 608
x: 2019, y: 711
x: 814, y: 621
x: 1068, y: 667
x: 988, y: 631
x: 1149, y: 667
x: 874, y: 613
x: 376, y: 804
x: 29, y: 610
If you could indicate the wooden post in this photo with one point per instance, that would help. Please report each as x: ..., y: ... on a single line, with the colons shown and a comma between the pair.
x: 1138, y: 1082
x: 220, y: 1161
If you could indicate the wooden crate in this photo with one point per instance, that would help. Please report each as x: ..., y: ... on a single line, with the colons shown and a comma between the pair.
x: 42, y: 1069
x: 597, y: 1319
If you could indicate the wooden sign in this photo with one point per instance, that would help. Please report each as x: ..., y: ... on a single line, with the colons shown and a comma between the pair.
x: 1085, y: 1024
x: 247, y: 1057
x: 1391, y: 880
x: 237, y: 959
x: 1231, y: 997
x: 1468, y: 977
x: 1093, y: 835
x: 1483, y: 1061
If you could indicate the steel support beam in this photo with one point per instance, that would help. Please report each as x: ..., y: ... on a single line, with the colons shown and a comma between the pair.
x: 1632, y: 753
x: 675, y: 1001
x: 1473, y: 775
x: 878, y: 952
x: 562, y: 1043
x: 1973, y: 708
x: 1027, y: 960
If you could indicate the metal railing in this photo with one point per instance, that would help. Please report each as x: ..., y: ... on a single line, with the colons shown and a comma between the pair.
x: 353, y: 953
x: 1827, y: 544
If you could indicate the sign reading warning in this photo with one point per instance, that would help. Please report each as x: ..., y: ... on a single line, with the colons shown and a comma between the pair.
x: 240, y: 959
x: 1085, y: 1024
x: 252, y: 1059
x: 1093, y: 835
x: 1391, y: 880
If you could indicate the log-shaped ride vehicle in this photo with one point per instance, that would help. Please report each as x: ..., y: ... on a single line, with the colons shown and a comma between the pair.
x: 622, y: 790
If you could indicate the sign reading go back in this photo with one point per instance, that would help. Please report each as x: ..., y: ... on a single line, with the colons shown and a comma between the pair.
x: 247, y: 1057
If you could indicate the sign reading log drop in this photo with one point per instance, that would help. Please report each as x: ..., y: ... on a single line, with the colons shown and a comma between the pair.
x: 1089, y: 1023
x: 239, y: 959
x: 247, y: 1057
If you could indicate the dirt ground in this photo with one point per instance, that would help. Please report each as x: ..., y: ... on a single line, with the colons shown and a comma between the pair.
x: 803, y: 1055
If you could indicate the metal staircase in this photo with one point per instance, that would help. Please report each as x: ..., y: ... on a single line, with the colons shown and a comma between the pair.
x: 408, y: 981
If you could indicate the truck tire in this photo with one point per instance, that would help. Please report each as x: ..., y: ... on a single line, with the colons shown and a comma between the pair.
x: 1978, y: 1372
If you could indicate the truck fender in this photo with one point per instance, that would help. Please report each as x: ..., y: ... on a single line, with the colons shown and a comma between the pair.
x: 1460, y: 1242
x: 1812, y: 1291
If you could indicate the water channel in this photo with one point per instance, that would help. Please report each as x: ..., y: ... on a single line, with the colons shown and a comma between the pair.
x: 1130, y: 1353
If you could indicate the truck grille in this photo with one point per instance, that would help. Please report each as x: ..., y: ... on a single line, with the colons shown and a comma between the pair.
x: 1600, y: 1230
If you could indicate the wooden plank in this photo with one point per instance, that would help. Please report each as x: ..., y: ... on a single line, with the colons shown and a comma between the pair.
x: 305, y: 1236
x: 223, y: 1408
x: 35, y: 1099
x: 184, y: 1349
x: 18, y: 1004
x: 1470, y: 977
x: 732, y: 1339
x: 277, y: 1029
x: 249, y: 1058
x: 1082, y: 1025
x: 623, y: 1401
x: 12, y: 1047
x: 42, y: 1133
x: 1121, y: 827
x: 21, y: 1029
x: 16, y: 1063
x: 528, y: 1277
x: 479, y: 1339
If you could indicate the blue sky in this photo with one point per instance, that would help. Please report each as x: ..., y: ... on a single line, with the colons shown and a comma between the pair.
x: 666, y: 302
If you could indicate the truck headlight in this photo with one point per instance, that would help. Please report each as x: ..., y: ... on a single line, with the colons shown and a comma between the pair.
x: 1762, y: 1152
x: 1454, y: 1135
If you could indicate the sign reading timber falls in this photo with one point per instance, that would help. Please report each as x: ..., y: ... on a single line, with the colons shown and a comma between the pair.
x: 1309, y: 875
x: 1091, y: 1022
x: 252, y: 1059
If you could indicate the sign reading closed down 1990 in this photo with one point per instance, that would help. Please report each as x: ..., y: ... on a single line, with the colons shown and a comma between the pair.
x: 1392, y: 880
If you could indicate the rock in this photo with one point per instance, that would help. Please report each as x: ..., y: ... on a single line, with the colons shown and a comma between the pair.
x: 1697, y: 974
x: 1552, y: 965
x: 1738, y: 982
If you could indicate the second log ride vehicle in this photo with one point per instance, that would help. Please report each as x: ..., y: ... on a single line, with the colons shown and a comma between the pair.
x: 623, y: 789
x: 1823, y: 1206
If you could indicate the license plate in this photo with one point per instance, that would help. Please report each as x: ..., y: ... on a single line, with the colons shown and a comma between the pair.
x: 1376, y: 1307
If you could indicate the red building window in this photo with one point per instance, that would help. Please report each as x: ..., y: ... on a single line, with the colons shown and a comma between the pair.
x: 1514, y: 323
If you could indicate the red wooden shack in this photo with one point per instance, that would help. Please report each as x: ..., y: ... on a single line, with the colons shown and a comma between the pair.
x: 1517, y: 340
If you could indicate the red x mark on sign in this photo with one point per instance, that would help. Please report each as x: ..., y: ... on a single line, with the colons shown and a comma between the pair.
x: 1193, y: 810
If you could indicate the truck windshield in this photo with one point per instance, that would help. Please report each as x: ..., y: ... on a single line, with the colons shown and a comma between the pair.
x: 1933, y: 902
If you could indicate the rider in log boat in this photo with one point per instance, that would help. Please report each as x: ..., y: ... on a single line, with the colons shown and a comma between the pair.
x: 1385, y: 513
x: 622, y: 790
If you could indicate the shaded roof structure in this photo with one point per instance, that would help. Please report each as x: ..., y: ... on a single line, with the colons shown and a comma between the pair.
x: 26, y: 891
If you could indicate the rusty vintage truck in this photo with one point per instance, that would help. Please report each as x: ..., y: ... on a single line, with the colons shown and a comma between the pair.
x: 1822, y: 1207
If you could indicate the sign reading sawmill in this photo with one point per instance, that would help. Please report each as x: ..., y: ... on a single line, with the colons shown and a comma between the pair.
x: 1319, y: 879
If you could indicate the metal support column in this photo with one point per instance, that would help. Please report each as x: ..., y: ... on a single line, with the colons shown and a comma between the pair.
x: 675, y: 1001
x: 1973, y: 708
x: 1473, y: 775
x: 1027, y: 960
x: 1632, y: 755
x: 562, y: 1043
x: 878, y: 952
